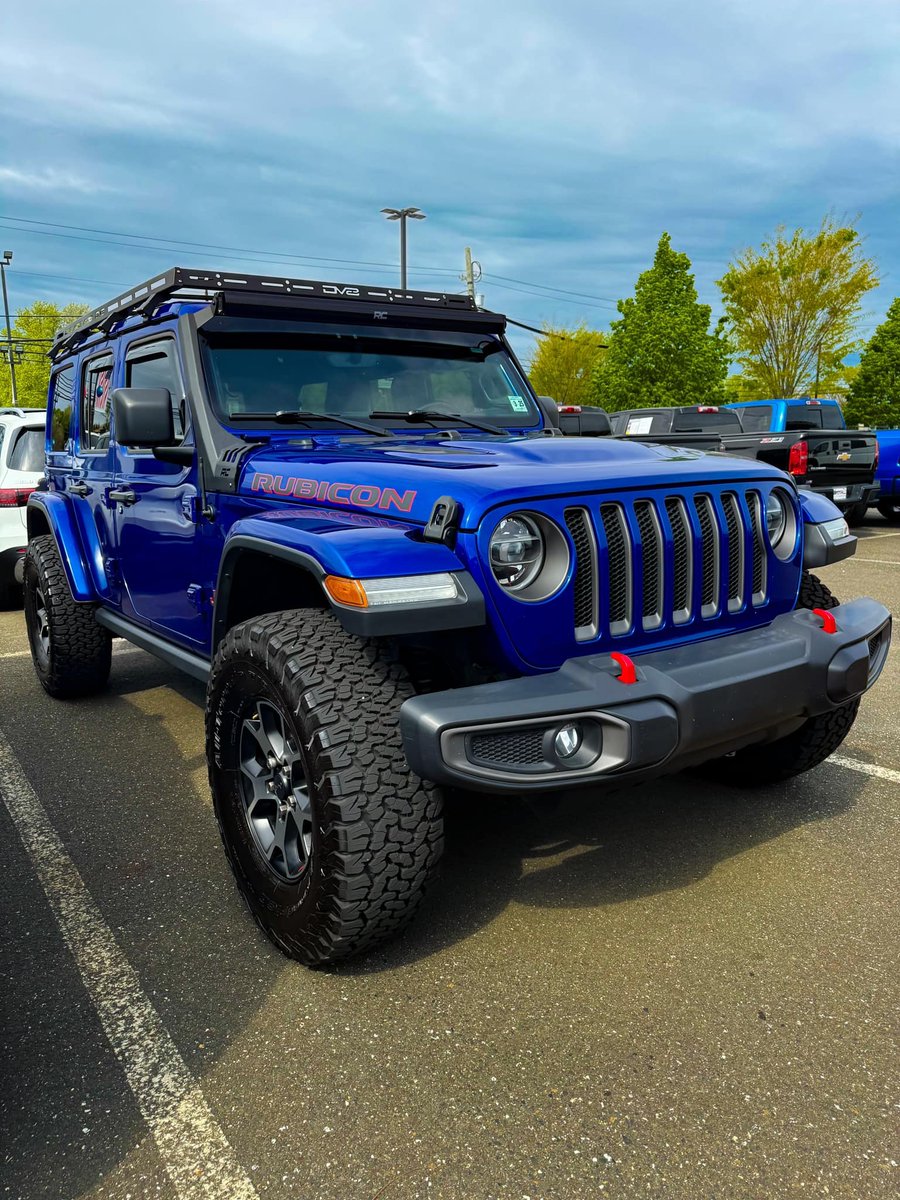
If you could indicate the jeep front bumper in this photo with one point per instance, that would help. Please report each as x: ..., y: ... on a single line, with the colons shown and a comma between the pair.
x: 689, y: 703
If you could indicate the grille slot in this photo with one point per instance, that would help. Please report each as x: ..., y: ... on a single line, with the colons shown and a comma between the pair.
x: 709, y: 556
x: 735, y: 551
x: 509, y: 748
x: 585, y: 583
x: 618, y: 547
x: 682, y: 567
x: 651, y: 563
x: 759, y: 547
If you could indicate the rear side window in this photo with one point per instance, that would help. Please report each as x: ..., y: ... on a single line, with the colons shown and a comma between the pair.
x: 832, y: 417
x: 27, y: 453
x: 61, y: 418
x: 95, y: 388
x: 153, y: 365
x: 756, y: 420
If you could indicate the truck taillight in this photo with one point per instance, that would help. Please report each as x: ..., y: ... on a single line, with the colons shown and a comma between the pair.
x: 798, y: 460
x: 14, y: 497
x: 707, y: 408
x: 877, y: 452
x: 570, y: 408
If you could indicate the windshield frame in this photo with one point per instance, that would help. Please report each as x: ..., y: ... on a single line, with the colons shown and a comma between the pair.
x: 414, y: 343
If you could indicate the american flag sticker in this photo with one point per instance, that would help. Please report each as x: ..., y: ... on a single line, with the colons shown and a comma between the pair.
x: 101, y: 395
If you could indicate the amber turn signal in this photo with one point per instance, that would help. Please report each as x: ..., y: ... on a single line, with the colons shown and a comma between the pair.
x: 346, y: 591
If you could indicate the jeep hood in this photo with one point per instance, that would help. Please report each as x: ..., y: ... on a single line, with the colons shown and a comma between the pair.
x: 403, y: 477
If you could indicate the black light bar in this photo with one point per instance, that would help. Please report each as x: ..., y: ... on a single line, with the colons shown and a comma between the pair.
x: 183, y: 284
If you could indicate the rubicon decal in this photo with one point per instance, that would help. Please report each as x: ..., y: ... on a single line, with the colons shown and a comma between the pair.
x: 356, y: 495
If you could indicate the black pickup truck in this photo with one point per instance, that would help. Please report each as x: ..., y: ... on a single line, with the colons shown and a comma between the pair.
x: 838, y: 463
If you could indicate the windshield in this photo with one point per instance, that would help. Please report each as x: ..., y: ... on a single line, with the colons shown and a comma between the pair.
x: 354, y: 374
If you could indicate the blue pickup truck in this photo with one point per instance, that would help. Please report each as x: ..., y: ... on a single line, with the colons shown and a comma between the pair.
x: 346, y: 510
x: 889, y: 473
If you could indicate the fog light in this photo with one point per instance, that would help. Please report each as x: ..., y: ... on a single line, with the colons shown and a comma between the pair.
x: 567, y: 741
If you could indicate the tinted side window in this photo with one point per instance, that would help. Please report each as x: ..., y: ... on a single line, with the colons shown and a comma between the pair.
x: 153, y: 366
x: 61, y: 418
x: 28, y: 451
x: 95, y: 404
x: 756, y: 420
x: 698, y: 422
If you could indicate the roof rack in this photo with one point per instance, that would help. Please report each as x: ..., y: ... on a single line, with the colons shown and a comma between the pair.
x: 179, y: 283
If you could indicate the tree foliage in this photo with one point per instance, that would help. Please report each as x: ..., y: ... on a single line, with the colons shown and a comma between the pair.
x: 875, y: 392
x: 661, y: 351
x: 564, y: 361
x: 792, y: 306
x: 32, y: 332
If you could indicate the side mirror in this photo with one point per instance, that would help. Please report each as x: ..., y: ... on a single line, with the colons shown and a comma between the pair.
x: 575, y: 421
x: 548, y: 407
x: 143, y: 417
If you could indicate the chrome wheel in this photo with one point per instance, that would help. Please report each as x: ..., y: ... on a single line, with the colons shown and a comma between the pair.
x: 275, y: 790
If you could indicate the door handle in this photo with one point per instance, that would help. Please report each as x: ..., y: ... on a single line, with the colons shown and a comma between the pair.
x: 79, y: 489
x: 121, y: 496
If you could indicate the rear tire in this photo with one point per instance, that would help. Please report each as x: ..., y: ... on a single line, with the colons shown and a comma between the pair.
x: 72, y: 654
x: 816, y: 739
x: 856, y: 514
x: 890, y: 510
x: 331, y: 838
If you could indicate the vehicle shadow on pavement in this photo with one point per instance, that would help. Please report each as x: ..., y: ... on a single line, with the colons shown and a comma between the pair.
x: 595, y: 849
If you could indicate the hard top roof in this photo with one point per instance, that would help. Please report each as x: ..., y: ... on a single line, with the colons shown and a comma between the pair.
x: 180, y: 283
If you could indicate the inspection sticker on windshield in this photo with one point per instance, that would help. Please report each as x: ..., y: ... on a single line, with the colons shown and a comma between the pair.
x: 639, y: 425
x: 517, y: 404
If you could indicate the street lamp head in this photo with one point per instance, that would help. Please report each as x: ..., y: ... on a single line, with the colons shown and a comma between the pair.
x: 392, y: 214
x: 7, y: 256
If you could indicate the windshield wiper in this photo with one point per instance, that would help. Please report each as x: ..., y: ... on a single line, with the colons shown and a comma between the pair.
x: 287, y: 416
x: 421, y: 415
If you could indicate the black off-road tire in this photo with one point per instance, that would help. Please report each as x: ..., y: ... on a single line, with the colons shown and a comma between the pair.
x: 72, y: 654
x: 856, y: 514
x: 816, y: 739
x: 890, y: 510
x: 376, y: 829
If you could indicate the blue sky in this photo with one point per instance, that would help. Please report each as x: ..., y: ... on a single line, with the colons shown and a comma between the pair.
x: 557, y: 140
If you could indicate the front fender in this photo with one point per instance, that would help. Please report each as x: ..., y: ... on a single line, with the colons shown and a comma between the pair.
x: 84, y: 570
x: 821, y: 545
x: 354, y: 546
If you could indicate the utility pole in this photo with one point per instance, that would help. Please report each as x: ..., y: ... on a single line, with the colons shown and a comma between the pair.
x: 818, y: 364
x: 4, y: 263
x: 472, y: 275
x: 402, y: 215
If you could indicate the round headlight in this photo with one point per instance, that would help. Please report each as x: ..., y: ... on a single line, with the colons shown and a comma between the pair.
x: 776, y: 517
x: 517, y: 552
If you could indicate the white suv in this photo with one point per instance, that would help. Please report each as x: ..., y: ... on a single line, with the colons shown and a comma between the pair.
x: 21, y: 466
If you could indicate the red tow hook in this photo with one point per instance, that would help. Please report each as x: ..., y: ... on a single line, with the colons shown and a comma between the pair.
x: 627, y: 673
x: 829, y: 624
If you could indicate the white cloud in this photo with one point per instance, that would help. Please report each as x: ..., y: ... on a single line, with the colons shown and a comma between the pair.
x: 48, y: 180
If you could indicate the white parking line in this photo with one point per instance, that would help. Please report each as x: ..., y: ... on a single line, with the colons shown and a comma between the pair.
x: 197, y: 1156
x: 853, y: 764
x: 884, y: 562
x: 873, y: 537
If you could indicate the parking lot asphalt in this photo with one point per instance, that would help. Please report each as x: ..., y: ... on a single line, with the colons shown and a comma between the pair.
x: 677, y: 991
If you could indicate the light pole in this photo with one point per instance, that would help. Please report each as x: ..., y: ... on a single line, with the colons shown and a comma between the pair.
x: 401, y: 215
x: 4, y: 263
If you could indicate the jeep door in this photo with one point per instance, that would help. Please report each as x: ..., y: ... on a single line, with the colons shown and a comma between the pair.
x: 161, y: 548
x: 90, y: 469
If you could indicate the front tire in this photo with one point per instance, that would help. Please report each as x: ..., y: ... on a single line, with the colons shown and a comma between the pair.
x: 72, y: 654
x: 890, y: 510
x: 330, y: 837
x: 815, y: 740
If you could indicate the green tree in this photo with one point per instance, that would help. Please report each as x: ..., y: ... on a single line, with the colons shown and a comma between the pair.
x: 792, y: 306
x: 875, y: 391
x: 564, y: 361
x: 660, y: 350
x: 32, y: 334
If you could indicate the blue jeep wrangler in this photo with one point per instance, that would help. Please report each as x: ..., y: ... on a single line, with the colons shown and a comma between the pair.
x: 346, y: 509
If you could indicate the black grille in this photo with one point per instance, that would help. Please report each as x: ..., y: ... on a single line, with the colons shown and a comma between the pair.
x: 681, y: 567
x: 585, y: 571
x: 735, y: 550
x: 709, y: 550
x: 618, y: 563
x: 521, y: 748
x: 651, y: 561
x: 874, y: 643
